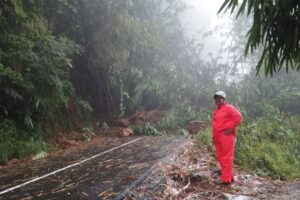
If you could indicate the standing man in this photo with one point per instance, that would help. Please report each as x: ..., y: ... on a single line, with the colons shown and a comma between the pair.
x: 225, y: 120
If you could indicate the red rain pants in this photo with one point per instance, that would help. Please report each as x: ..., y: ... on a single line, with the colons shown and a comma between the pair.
x: 224, y: 145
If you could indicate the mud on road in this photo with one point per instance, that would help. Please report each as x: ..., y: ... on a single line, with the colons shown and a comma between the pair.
x: 104, y: 177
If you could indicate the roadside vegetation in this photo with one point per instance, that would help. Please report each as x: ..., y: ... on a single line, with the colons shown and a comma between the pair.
x: 268, y: 146
x: 268, y: 139
x: 74, y: 65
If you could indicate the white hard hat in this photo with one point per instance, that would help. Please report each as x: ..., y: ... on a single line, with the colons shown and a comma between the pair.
x: 221, y: 94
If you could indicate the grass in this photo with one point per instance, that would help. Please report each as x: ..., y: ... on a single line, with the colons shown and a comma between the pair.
x: 13, y: 144
x: 269, y: 147
x: 146, y: 129
x: 20, y: 148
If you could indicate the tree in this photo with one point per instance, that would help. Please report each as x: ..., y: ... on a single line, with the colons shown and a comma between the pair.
x: 276, y: 27
x: 256, y: 92
x: 135, y: 53
x: 34, y: 65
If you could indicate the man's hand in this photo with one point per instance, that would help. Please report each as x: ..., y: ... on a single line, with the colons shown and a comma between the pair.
x: 228, y: 131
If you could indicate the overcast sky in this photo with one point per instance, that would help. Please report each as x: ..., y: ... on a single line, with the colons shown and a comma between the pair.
x: 202, y: 16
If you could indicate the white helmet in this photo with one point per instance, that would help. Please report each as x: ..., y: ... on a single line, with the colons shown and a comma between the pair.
x: 221, y: 94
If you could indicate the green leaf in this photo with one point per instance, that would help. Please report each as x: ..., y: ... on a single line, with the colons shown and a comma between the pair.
x: 223, y: 6
x: 18, y: 7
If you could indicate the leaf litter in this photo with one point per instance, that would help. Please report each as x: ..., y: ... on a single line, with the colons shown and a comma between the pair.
x: 193, y: 175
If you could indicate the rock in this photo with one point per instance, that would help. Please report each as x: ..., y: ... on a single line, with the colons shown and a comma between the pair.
x: 40, y: 155
x: 174, y: 192
x: 125, y: 132
x: 105, y: 125
x: 217, y: 171
x: 13, y: 161
x: 123, y: 122
x: 237, y: 197
x: 195, y: 126
x: 69, y: 143
x: 255, y: 182
x: 183, y: 132
x: 200, y: 176
x: 137, y: 117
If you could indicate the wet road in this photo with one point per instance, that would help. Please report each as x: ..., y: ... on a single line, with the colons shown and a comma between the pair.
x: 106, y: 176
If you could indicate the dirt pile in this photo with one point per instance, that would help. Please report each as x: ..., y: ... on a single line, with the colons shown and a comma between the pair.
x: 123, y: 127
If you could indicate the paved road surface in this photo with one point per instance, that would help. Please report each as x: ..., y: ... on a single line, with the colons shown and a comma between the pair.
x: 106, y: 176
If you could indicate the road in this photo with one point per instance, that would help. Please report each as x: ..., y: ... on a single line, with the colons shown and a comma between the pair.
x: 76, y: 174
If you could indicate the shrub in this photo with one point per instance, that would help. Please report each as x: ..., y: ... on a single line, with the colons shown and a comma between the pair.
x: 146, y: 129
x: 204, y: 138
x: 18, y: 145
x: 269, y: 147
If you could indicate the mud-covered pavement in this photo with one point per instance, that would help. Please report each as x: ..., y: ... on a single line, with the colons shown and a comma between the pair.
x: 107, y: 176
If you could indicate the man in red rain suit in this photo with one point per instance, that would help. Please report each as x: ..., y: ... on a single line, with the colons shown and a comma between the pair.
x: 225, y: 120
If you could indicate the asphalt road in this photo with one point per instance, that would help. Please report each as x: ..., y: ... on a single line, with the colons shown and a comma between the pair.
x: 77, y: 174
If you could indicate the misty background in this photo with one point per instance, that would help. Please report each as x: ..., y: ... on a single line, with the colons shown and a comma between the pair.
x: 78, y: 65
x: 200, y: 17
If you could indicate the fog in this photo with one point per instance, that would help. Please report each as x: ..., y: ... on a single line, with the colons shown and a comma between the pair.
x: 201, y: 16
x: 80, y: 67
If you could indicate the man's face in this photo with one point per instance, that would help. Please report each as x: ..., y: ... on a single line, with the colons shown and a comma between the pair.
x: 219, y: 101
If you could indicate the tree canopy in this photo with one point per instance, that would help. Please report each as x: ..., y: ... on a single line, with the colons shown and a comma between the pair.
x: 275, y: 28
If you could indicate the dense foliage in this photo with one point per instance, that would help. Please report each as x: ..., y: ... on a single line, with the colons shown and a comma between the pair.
x: 65, y: 63
x: 34, y: 77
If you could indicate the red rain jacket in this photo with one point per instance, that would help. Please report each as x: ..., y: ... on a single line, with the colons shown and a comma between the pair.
x: 225, y: 117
